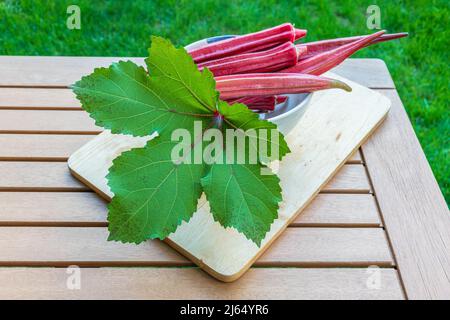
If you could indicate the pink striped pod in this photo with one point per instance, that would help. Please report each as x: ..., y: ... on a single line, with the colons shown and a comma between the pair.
x: 322, y: 62
x: 317, y: 47
x: 280, y: 57
x: 263, y: 84
x: 246, y: 43
x: 259, y: 99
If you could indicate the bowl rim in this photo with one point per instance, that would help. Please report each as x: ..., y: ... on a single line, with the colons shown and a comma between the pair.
x: 293, y: 110
x: 278, y: 117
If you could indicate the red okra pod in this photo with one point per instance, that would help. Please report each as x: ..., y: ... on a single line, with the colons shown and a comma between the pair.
x: 266, y: 104
x: 280, y: 57
x: 322, y: 62
x: 255, y: 100
x: 299, y: 33
x: 317, y: 47
x: 246, y: 43
x: 281, y: 99
x: 262, y: 107
x: 258, y: 100
x: 263, y: 84
x: 278, y: 67
x: 260, y: 104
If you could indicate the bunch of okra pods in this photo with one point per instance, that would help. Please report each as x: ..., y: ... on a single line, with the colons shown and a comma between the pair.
x: 258, y: 68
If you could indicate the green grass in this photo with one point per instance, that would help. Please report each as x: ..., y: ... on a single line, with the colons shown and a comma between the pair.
x: 419, y: 64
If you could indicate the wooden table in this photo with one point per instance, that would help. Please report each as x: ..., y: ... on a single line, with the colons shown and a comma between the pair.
x: 383, y: 209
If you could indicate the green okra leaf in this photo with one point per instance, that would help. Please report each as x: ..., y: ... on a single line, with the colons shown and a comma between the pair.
x: 154, y: 192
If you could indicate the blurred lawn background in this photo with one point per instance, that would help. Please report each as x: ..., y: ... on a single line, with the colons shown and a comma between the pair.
x: 419, y: 64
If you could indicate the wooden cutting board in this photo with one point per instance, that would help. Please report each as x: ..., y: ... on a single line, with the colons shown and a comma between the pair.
x: 334, y: 126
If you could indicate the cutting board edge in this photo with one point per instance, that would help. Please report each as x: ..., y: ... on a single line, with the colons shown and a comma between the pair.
x: 241, y: 272
x: 245, y: 267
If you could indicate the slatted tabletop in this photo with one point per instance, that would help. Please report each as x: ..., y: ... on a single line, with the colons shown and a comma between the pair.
x: 382, y: 209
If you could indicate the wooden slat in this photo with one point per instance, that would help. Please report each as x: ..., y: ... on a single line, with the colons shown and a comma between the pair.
x: 351, y: 179
x: 43, y: 176
x: 59, y: 246
x: 57, y: 147
x: 192, y: 283
x: 329, y: 246
x: 88, y: 209
x: 43, y: 147
x: 339, y: 210
x: 46, y: 121
x: 38, y: 98
x: 372, y: 73
x: 355, y: 158
x: 64, y: 71
x: 415, y: 212
x: 48, y: 176
x: 50, y: 71
x: 59, y: 208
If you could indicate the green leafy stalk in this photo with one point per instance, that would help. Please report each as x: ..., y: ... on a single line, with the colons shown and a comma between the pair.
x: 153, y: 194
x: 241, y: 197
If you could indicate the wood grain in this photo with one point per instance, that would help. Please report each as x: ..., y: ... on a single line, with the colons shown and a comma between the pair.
x: 340, y: 210
x: 51, y: 71
x: 416, y: 215
x: 52, y: 208
x: 316, y: 247
x: 355, y: 158
x: 42, y: 176
x: 64, y: 71
x: 38, y: 98
x: 47, y: 121
x: 58, y: 147
x: 88, y: 209
x: 372, y: 73
x: 300, y: 247
x: 331, y: 130
x: 355, y: 180
x: 43, y: 147
x: 191, y: 283
x: 48, y: 176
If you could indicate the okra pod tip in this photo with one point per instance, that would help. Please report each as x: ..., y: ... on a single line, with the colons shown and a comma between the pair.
x: 299, y: 33
x: 337, y: 84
